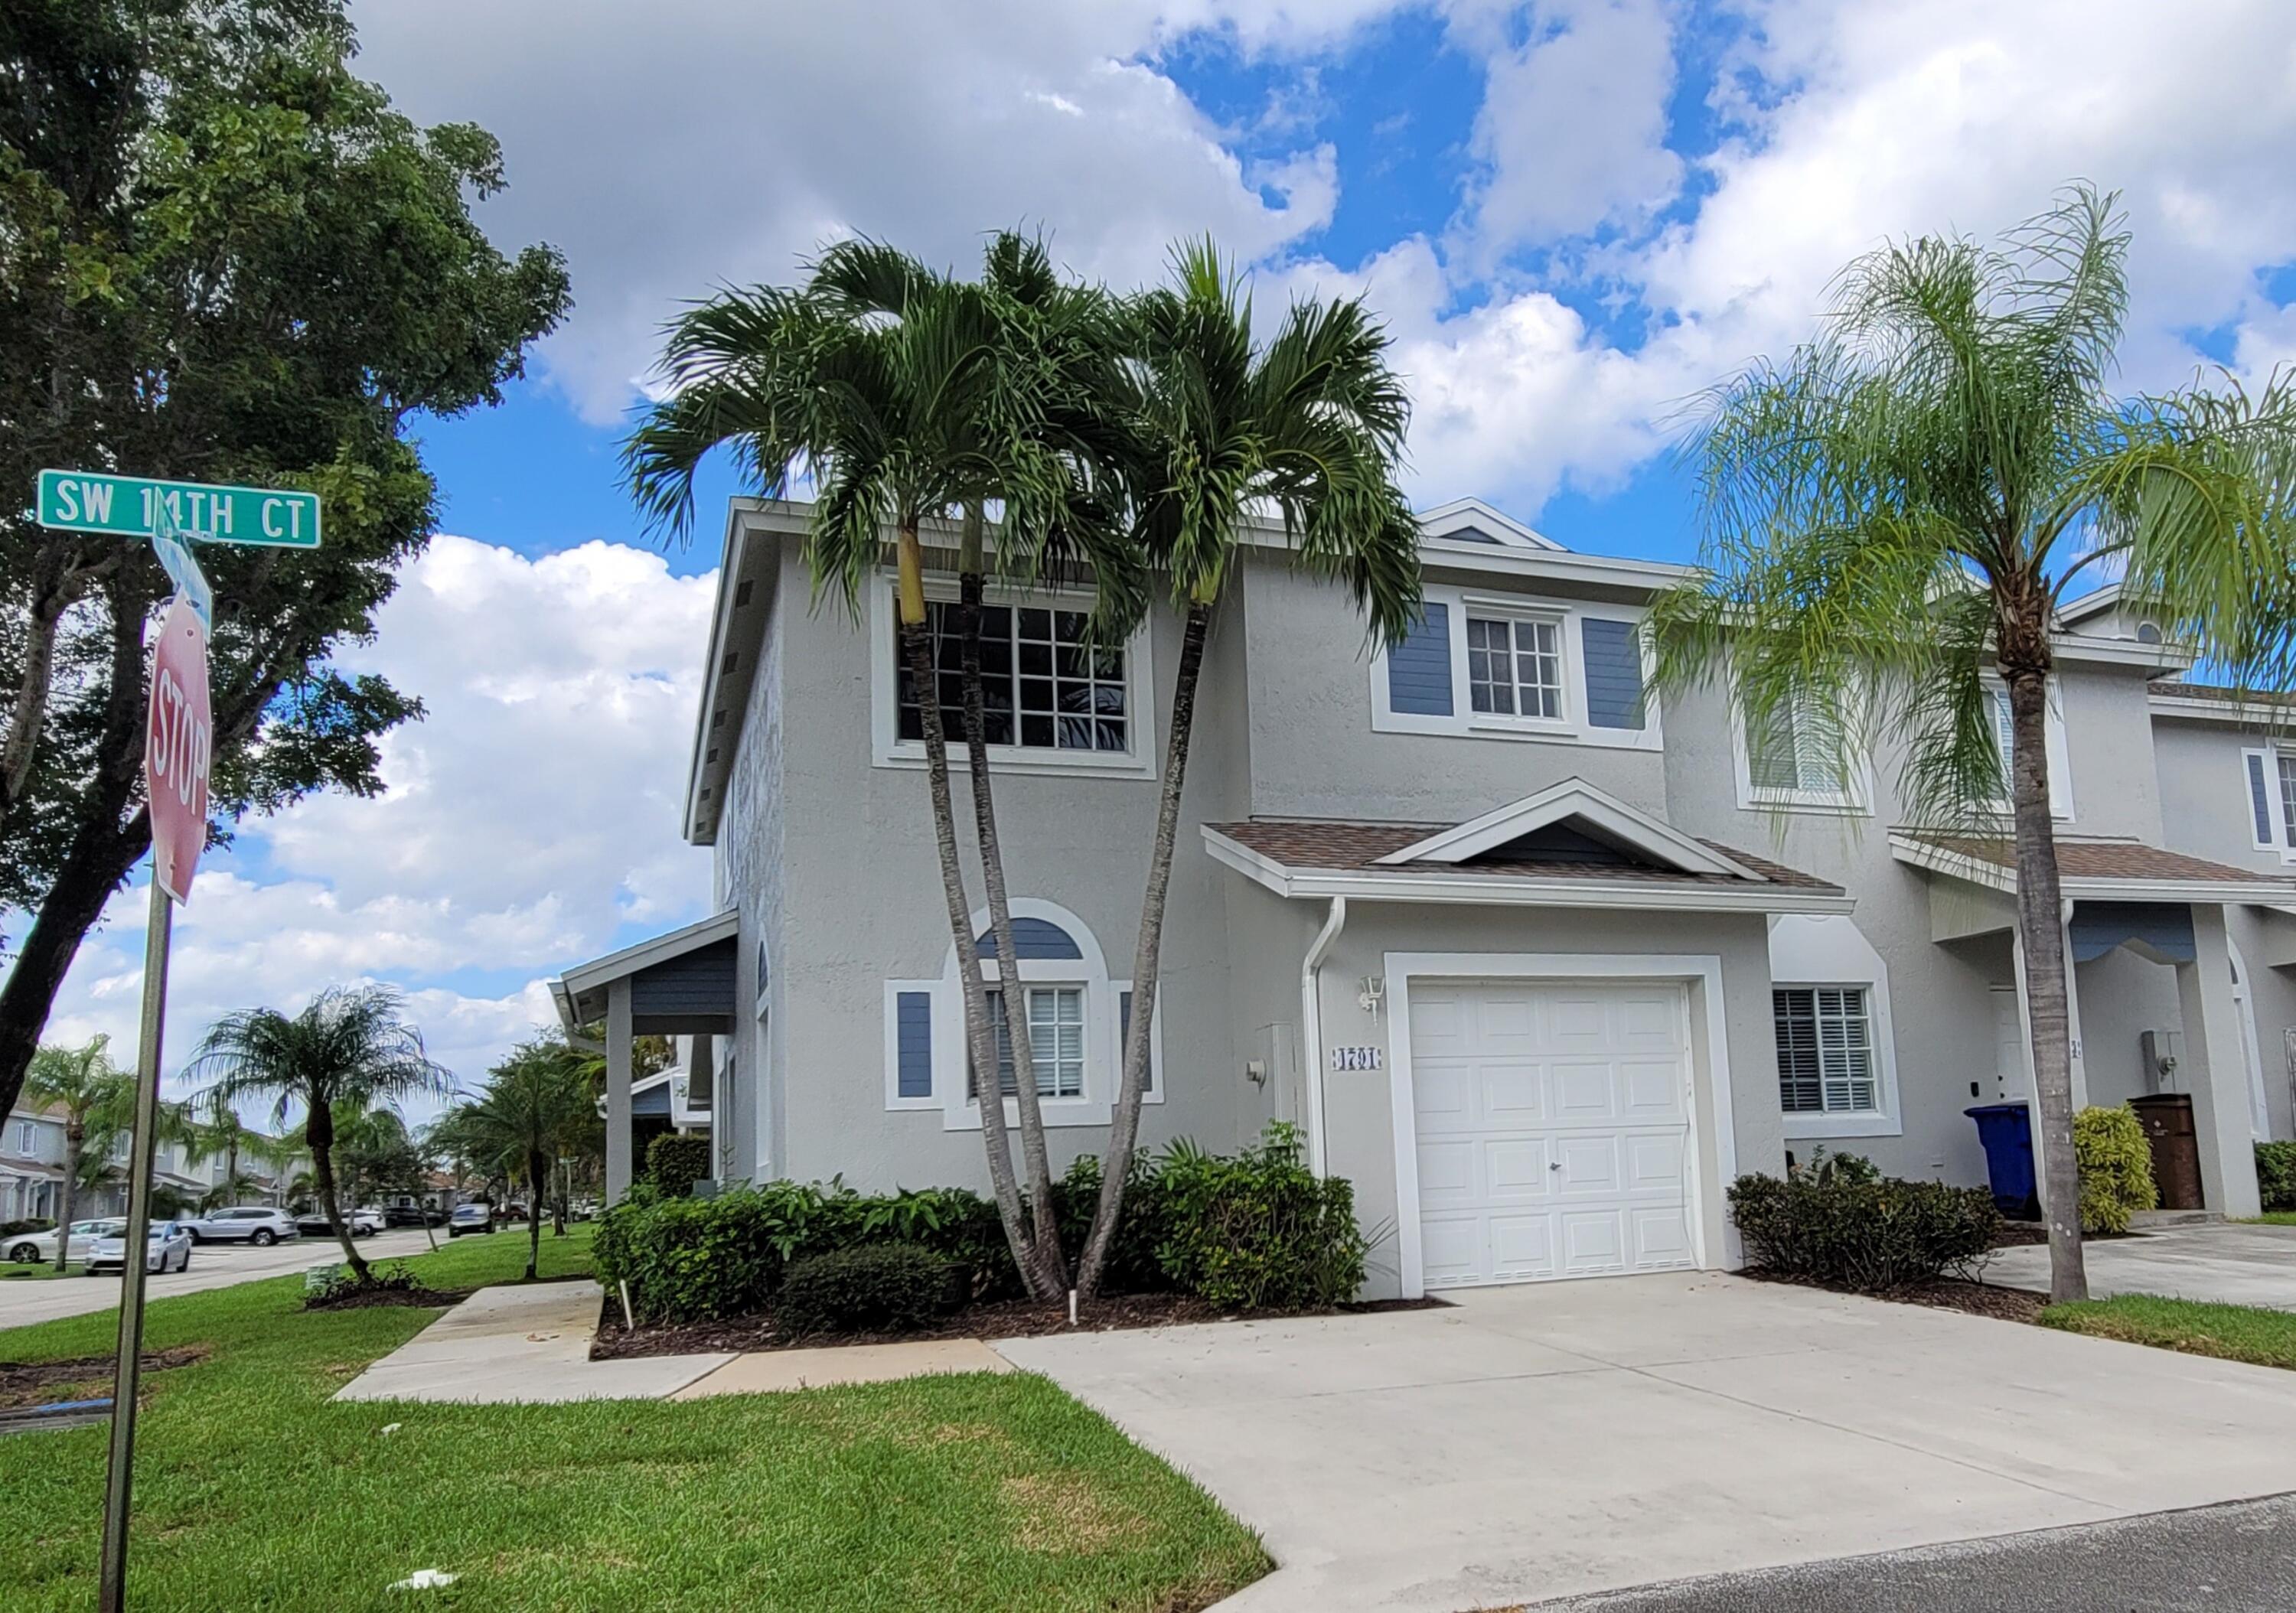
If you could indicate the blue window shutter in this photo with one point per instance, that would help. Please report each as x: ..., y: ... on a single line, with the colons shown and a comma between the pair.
x: 912, y: 1034
x: 2259, y: 799
x: 1124, y: 1039
x: 1419, y: 669
x: 1614, y: 672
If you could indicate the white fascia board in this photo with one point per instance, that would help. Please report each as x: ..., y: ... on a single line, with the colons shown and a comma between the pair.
x: 774, y: 519
x: 1572, y: 798
x: 1515, y: 891
x: 564, y: 999
x: 2256, y: 715
x: 1444, y: 519
x: 2096, y: 601
x: 598, y: 971
x: 2119, y: 651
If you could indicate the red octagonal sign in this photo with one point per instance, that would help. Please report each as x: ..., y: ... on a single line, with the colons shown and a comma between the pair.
x: 177, y: 739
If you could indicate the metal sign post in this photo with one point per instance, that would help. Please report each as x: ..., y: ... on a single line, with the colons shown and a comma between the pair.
x: 178, y: 737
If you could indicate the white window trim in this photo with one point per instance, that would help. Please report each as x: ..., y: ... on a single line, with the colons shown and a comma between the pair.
x: 1140, y: 760
x: 2060, y: 755
x: 2275, y: 802
x: 1569, y: 697
x: 1854, y: 800
x: 1822, y: 950
x: 1572, y: 728
x: 951, y: 1052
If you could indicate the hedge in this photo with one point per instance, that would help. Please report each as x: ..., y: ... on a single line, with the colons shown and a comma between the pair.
x: 1256, y: 1230
x: 889, y: 1287
x: 2116, y: 1169
x: 1869, y: 1237
x: 675, y: 1160
x: 2276, y: 1175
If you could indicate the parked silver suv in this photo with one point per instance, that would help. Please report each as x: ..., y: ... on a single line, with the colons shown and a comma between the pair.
x: 258, y: 1225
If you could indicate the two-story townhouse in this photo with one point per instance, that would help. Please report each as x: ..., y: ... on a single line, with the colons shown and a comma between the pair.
x: 1537, y: 960
x: 31, y: 1164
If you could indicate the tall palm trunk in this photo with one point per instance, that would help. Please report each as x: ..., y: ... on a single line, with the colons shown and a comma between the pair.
x: 2040, y: 925
x: 319, y: 1134
x: 536, y: 1184
x: 1124, y: 1125
x: 74, y: 1135
x: 1051, y: 1270
x: 917, y: 645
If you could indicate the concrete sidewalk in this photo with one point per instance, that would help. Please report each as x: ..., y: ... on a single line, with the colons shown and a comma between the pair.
x: 525, y: 1342
x: 2229, y: 1263
x: 1559, y: 1438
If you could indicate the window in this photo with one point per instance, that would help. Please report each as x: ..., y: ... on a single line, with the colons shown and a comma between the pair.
x: 2272, y: 799
x: 1825, y: 1050
x: 2053, y: 743
x: 1056, y: 1041
x: 28, y: 1138
x: 1792, y: 758
x: 1043, y: 687
x: 1514, y: 667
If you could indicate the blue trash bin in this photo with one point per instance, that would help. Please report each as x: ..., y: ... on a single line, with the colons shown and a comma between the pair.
x: 2006, y: 1131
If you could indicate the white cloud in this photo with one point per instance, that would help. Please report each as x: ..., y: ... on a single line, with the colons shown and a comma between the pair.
x: 533, y: 812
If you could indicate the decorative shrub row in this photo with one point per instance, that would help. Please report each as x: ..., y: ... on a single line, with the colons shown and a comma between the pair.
x: 1253, y: 1230
x: 876, y: 1287
x: 30, y: 1224
x: 675, y: 1160
x: 2276, y: 1175
x: 2116, y: 1169
x: 1869, y: 1237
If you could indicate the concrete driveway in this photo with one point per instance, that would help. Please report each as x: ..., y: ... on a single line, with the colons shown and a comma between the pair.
x: 1540, y: 1441
x: 213, y: 1265
x: 2231, y: 1263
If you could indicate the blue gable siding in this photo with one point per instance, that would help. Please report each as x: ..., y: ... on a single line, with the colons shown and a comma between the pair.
x: 1614, y: 672
x: 1035, y: 938
x: 2160, y: 931
x: 912, y: 1032
x: 1419, y: 669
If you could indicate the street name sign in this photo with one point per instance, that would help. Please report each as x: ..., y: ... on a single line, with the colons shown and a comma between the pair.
x: 178, y: 741
x: 131, y: 506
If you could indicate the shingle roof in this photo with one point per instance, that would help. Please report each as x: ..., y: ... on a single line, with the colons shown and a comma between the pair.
x: 2263, y: 700
x: 1356, y: 847
x: 2097, y: 859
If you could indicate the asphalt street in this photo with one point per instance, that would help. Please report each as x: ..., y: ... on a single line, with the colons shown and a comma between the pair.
x: 2238, y: 1558
x: 213, y: 1265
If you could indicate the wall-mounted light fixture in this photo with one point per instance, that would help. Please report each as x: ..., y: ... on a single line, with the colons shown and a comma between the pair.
x: 1375, y: 988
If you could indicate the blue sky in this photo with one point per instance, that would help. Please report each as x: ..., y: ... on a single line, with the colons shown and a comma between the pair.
x: 1574, y: 216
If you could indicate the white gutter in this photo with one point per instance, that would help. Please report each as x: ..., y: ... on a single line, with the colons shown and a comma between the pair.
x: 1311, y: 1026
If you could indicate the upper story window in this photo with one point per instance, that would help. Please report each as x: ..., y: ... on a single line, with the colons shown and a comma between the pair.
x: 1789, y: 760
x: 2272, y: 798
x: 1043, y: 687
x: 1050, y: 701
x: 28, y: 1138
x: 1514, y: 667
x: 2061, y: 798
x: 1519, y: 669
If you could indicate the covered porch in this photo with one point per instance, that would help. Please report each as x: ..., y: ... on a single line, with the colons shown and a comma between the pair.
x: 681, y: 985
x: 2156, y: 989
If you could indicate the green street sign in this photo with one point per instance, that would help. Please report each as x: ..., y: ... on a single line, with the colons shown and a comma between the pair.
x: 131, y: 506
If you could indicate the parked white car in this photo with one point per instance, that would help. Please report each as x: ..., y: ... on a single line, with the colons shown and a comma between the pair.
x: 358, y: 1223
x: 471, y: 1218
x: 166, y: 1248
x: 28, y: 1247
x: 244, y: 1224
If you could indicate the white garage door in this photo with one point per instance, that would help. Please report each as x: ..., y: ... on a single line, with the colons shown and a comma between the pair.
x: 1553, y: 1129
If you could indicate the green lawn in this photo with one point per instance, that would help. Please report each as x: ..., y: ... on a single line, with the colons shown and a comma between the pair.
x: 15, y: 1270
x: 2278, y: 1218
x: 254, y: 1491
x: 2235, y: 1332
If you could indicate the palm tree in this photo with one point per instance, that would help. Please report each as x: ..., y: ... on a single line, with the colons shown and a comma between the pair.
x: 1221, y: 427
x: 910, y: 396
x: 93, y: 1095
x: 348, y: 1052
x: 537, y: 1103
x: 1894, y: 514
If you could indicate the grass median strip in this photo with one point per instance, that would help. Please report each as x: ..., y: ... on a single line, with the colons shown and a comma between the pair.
x: 254, y: 1490
x: 2231, y: 1332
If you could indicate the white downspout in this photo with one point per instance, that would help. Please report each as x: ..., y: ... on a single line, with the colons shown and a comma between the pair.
x: 1311, y: 1028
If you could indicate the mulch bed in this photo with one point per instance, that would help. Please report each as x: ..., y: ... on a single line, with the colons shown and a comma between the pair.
x: 1944, y: 1293
x: 2014, y: 1234
x: 371, y: 1298
x: 998, y: 1319
x: 24, y: 1383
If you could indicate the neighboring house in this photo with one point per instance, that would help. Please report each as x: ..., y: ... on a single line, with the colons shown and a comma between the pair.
x: 31, y: 1165
x: 1540, y: 966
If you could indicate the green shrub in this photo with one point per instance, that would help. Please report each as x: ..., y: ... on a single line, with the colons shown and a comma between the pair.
x: 2276, y: 1175
x: 1133, y: 1265
x: 1259, y: 1231
x: 675, y: 1160
x: 873, y: 1287
x: 30, y: 1224
x: 703, y: 1260
x: 2116, y: 1169
x: 1869, y: 1237
x: 1825, y: 1165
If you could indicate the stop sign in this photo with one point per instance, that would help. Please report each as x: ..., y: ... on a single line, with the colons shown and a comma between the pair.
x: 178, y: 735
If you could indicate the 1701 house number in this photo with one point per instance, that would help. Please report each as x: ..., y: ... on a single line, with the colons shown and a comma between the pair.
x: 1355, y: 1058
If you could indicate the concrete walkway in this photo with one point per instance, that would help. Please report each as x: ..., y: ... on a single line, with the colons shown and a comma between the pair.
x: 525, y: 1342
x: 531, y: 1343
x: 1559, y: 1438
x: 2230, y: 1263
